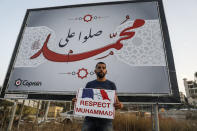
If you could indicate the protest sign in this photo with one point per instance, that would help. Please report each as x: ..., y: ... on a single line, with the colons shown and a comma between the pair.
x: 95, y: 103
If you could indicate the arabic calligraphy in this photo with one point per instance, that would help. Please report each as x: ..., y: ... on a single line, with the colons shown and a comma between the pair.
x: 71, y: 35
x: 67, y: 39
x: 91, y: 36
x: 56, y: 57
x: 127, y: 17
x: 114, y: 34
x: 110, y: 53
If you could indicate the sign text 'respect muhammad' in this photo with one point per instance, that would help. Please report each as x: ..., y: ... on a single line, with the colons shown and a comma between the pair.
x: 95, y: 103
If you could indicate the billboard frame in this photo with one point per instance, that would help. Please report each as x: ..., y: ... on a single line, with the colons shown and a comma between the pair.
x: 172, y: 98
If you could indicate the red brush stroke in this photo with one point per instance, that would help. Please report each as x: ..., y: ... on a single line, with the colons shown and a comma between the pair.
x: 56, y: 57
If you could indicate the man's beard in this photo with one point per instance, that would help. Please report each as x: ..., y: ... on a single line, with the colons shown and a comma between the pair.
x: 100, y: 75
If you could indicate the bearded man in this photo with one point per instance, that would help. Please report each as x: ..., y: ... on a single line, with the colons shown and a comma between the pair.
x: 100, y: 124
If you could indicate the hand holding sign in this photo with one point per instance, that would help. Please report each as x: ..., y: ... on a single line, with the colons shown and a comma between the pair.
x: 118, y: 104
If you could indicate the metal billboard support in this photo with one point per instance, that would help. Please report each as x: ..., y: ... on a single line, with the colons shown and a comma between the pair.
x: 156, y: 118
x: 12, y: 116
x: 37, y: 112
x: 152, y: 116
x: 20, y: 115
x: 47, y: 110
x: 70, y: 106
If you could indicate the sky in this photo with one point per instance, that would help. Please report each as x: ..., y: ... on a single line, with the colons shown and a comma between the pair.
x: 180, y: 15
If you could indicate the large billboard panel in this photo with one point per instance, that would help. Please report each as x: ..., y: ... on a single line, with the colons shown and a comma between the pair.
x: 58, y: 49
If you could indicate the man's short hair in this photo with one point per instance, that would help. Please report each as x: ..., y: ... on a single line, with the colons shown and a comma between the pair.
x: 100, y: 63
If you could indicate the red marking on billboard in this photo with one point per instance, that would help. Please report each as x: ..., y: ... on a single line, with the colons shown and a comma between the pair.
x: 82, y: 70
x: 56, y: 57
x: 87, y: 18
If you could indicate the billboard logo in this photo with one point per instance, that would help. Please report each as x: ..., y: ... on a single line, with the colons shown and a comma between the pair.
x: 27, y: 83
x: 18, y: 82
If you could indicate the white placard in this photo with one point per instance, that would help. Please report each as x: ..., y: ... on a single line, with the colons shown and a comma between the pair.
x: 95, y: 103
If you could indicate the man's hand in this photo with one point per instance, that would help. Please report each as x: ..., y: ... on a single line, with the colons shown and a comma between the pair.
x: 74, y: 100
x: 118, y: 104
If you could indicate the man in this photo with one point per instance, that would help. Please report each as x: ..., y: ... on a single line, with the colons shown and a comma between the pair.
x: 100, y: 124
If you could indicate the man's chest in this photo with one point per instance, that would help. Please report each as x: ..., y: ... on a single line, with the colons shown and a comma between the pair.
x: 106, y: 87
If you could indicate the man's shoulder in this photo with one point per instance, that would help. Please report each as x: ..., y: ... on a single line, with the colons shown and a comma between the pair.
x: 95, y: 81
x: 101, y: 84
x: 91, y: 82
x: 111, y: 82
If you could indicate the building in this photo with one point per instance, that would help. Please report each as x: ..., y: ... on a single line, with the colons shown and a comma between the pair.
x: 54, y: 111
x: 182, y: 97
x: 30, y: 103
x: 191, y: 90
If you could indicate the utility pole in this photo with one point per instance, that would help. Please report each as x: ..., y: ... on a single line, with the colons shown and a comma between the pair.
x: 37, y: 112
x: 12, y: 116
x: 47, y: 110
x: 156, y: 118
x: 152, y: 118
x: 20, y: 115
x: 70, y: 105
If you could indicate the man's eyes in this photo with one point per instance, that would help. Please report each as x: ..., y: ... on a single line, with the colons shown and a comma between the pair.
x: 101, y: 67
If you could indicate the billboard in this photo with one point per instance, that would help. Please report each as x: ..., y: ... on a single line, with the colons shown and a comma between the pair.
x: 95, y: 103
x: 58, y: 48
